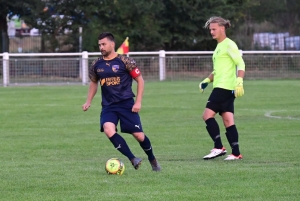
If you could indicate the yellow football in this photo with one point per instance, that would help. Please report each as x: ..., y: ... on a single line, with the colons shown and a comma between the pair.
x: 114, y: 166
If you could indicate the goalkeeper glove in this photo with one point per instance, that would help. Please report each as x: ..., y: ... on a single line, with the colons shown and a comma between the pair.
x: 239, y: 89
x: 204, y: 84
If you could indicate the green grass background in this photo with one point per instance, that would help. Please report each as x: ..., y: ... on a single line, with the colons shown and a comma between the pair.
x: 51, y: 150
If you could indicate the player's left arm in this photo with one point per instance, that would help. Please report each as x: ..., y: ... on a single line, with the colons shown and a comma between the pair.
x: 135, y: 73
x: 236, y: 56
x: 139, y: 94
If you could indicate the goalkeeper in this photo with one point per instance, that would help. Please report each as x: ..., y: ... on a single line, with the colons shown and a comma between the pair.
x: 227, y: 85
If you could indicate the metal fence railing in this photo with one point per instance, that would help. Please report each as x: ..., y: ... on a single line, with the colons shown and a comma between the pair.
x: 155, y: 66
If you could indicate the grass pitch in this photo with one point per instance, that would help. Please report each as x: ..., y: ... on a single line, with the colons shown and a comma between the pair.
x: 51, y: 150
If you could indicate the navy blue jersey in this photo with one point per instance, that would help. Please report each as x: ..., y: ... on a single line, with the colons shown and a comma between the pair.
x: 115, y: 78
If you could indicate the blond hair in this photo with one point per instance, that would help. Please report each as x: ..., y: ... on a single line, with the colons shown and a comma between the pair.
x: 221, y: 22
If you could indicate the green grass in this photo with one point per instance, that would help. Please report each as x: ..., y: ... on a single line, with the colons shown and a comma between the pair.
x: 51, y: 150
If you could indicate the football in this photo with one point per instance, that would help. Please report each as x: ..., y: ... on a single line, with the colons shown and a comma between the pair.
x: 114, y: 166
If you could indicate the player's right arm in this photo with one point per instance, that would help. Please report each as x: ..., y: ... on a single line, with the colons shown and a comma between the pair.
x: 91, y: 93
x: 211, y: 77
x: 93, y: 86
x: 205, y: 82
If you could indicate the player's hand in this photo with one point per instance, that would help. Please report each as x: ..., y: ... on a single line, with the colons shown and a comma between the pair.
x: 86, y: 106
x: 239, y: 89
x: 204, y: 84
x: 136, y: 107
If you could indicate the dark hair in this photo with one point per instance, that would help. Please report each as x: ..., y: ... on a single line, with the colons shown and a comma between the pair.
x: 107, y: 35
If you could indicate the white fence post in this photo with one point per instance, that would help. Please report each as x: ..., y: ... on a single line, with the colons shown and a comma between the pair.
x: 85, y: 66
x: 5, y: 69
x: 80, y: 50
x: 162, y: 65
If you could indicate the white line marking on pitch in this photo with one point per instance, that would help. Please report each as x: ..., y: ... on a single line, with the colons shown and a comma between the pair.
x: 269, y: 115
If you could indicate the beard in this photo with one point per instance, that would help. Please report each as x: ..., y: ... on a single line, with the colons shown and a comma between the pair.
x: 105, y: 53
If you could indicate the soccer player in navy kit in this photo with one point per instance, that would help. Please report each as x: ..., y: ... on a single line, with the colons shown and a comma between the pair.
x: 115, y: 74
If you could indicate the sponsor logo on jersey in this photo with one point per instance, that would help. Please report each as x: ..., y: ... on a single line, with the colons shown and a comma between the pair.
x: 110, y: 81
x: 102, y: 82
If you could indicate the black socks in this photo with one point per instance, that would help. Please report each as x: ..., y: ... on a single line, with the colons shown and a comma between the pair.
x: 214, y: 132
x: 233, y: 139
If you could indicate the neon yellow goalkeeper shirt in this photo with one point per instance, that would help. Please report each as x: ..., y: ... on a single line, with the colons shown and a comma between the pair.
x: 226, y: 59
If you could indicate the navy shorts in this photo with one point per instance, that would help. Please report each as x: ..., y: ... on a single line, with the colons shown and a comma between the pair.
x: 130, y: 122
x: 221, y: 100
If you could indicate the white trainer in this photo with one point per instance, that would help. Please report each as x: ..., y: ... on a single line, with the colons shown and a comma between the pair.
x: 215, y: 153
x: 232, y: 157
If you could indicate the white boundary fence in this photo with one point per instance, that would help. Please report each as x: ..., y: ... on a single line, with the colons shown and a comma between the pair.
x: 37, y: 68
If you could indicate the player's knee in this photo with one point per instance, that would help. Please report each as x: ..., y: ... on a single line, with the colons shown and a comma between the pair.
x: 140, y: 136
x: 109, y: 129
x: 206, y: 116
x: 228, y: 119
x: 228, y: 123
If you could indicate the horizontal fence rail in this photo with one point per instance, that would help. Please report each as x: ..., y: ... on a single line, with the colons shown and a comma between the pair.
x: 68, y: 68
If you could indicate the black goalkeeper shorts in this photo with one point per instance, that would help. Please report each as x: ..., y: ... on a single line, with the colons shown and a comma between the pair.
x: 221, y: 100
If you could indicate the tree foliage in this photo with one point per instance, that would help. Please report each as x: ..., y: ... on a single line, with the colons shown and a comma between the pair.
x: 7, y: 10
x: 149, y: 24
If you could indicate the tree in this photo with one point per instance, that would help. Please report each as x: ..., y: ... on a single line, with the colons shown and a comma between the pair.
x: 58, y: 22
x: 266, y: 16
x: 284, y: 14
x: 7, y: 10
x: 149, y: 24
x: 138, y: 20
x: 155, y: 25
x: 183, y: 22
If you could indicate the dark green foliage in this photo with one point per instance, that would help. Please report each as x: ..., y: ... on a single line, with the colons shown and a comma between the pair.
x: 8, y: 8
x: 150, y: 25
